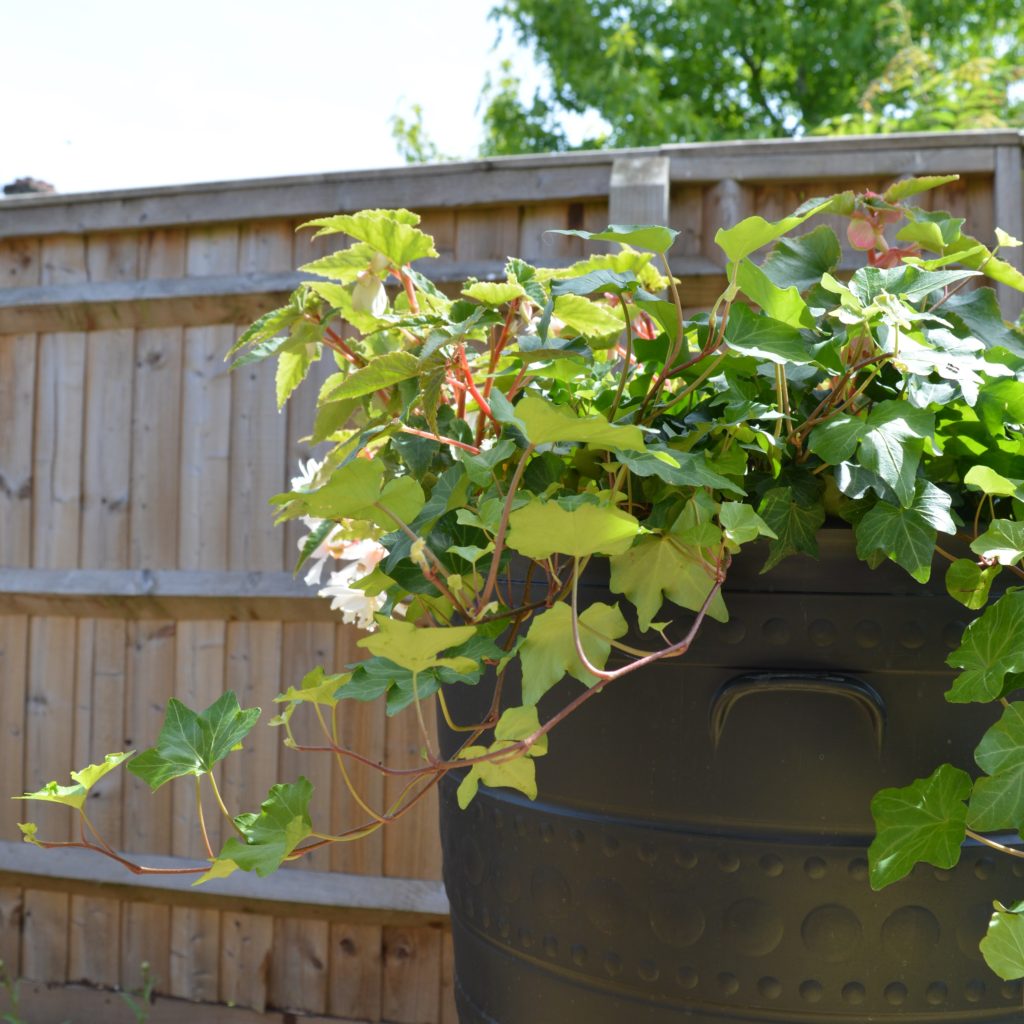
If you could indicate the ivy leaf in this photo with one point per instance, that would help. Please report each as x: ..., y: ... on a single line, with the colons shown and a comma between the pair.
x: 660, y: 568
x: 391, y: 232
x: 794, y: 517
x: 923, y: 822
x: 519, y: 772
x: 741, y: 524
x: 760, y: 336
x: 317, y: 687
x: 1002, y: 541
x: 1003, y: 944
x: 272, y: 835
x: 800, y: 261
x: 541, y: 528
x: 414, y: 647
x: 989, y: 481
x: 75, y: 794
x: 1001, y: 403
x: 640, y: 236
x: 968, y: 583
x: 549, y: 653
x: 681, y: 469
x: 998, y: 798
x: 907, y: 535
x: 190, y: 743
x: 381, y: 372
x: 992, y: 649
x: 836, y: 439
x: 544, y: 423
x: 893, y: 443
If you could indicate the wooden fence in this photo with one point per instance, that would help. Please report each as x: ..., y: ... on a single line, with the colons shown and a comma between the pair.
x: 138, y: 560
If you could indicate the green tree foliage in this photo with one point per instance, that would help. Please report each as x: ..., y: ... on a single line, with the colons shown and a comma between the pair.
x: 664, y: 71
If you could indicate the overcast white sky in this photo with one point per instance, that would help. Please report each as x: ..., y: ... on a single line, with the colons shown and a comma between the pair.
x: 108, y: 94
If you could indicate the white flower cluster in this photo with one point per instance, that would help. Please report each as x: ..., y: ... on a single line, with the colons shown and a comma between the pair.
x: 358, y: 559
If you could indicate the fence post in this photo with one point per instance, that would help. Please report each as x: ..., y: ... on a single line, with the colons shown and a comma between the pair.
x: 1008, y: 203
x: 639, y: 190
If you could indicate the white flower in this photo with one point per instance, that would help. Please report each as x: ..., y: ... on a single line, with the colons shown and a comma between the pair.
x: 307, y: 474
x: 355, y: 605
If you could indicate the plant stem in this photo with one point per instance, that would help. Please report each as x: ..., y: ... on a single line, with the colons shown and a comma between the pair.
x: 202, y: 820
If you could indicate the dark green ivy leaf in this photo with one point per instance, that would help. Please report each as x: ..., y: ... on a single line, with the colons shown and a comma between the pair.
x: 991, y: 652
x: 270, y: 836
x: 998, y: 798
x: 795, y: 517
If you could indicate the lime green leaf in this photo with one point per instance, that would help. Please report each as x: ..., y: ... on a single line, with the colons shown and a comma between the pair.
x: 782, y: 304
x: 541, y: 528
x: 991, y: 266
x: 923, y: 822
x: 191, y: 744
x: 381, y: 372
x: 968, y: 583
x: 1003, y: 944
x: 266, y: 327
x: 801, y: 261
x: 640, y: 236
x: 795, y: 519
x: 218, y: 869
x: 1006, y: 241
x: 997, y: 801
x: 28, y: 832
x: 1002, y: 541
x: 741, y: 524
x: 494, y: 293
x: 755, y: 232
x: 906, y: 535
x: 316, y: 688
x: 518, y: 773
x: 836, y: 439
x: 391, y: 232
x: 345, y: 265
x: 912, y: 186
x: 75, y: 794
x: 413, y: 647
x: 760, y: 336
x: 549, y: 652
x: 992, y: 649
x: 545, y: 423
x: 893, y: 442
x: 581, y: 315
x: 518, y: 723
x: 660, y: 568
x: 991, y: 482
x: 270, y: 837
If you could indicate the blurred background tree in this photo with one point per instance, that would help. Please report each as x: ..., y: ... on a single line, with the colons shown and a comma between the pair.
x: 649, y: 72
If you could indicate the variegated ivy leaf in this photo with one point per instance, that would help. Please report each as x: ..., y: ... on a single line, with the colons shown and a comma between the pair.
x: 893, y: 442
x: 992, y: 651
x: 923, y: 822
x: 82, y: 781
x: 190, y: 743
x: 659, y: 568
x: 540, y: 529
x: 518, y: 772
x: 549, y: 650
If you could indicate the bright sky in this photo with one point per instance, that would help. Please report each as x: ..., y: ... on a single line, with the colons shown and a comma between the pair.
x: 109, y: 94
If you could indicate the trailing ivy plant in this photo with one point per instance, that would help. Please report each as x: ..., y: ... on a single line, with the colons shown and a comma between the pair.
x: 482, y: 449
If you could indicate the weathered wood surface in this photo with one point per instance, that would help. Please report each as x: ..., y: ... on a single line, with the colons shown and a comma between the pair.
x: 170, y: 594
x: 295, y: 893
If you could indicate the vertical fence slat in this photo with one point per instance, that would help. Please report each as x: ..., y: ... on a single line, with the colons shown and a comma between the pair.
x: 152, y: 543
x: 56, y: 474
x: 19, y: 267
x: 203, y: 530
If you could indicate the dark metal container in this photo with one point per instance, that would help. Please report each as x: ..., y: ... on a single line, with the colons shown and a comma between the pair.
x: 698, y: 849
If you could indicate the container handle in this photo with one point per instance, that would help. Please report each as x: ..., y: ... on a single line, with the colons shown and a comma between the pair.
x: 866, y: 697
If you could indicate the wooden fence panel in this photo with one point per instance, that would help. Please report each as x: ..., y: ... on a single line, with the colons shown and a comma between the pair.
x: 129, y: 454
